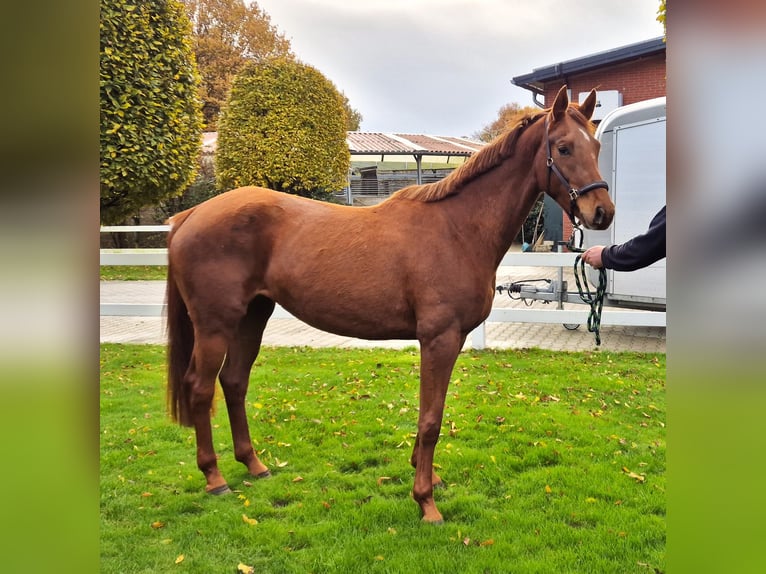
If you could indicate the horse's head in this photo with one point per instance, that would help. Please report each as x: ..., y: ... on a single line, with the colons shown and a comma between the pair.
x: 570, y: 173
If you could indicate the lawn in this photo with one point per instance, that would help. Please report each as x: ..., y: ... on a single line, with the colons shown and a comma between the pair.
x: 555, y: 462
x: 133, y: 272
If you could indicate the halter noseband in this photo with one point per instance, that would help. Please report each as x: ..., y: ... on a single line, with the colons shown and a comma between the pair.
x: 573, y: 192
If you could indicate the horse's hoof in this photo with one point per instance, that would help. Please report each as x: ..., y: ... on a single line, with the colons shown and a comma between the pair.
x: 219, y: 490
x: 264, y: 474
x: 437, y: 522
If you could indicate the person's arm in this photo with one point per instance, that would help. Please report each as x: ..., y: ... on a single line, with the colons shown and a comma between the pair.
x: 636, y: 253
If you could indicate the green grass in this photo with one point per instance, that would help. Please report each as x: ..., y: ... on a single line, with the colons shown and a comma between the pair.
x: 555, y: 462
x: 133, y: 272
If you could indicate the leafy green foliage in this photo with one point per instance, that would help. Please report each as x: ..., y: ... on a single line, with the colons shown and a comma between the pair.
x: 202, y: 189
x: 228, y: 33
x: 554, y: 462
x: 284, y: 127
x: 150, y: 111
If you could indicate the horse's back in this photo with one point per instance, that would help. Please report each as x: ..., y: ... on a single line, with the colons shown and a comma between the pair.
x: 252, y: 229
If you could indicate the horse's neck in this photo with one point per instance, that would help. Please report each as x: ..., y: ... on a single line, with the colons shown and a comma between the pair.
x: 492, y: 208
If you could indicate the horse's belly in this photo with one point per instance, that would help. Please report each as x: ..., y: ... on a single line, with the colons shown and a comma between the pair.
x: 351, y: 314
x: 364, y: 322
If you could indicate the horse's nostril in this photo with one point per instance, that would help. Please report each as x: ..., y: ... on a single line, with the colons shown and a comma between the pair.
x: 599, y: 217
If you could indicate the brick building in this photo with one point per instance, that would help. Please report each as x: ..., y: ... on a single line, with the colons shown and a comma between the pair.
x: 621, y: 76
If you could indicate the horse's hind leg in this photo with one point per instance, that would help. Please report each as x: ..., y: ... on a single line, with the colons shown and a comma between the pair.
x: 235, y: 377
x: 207, y: 357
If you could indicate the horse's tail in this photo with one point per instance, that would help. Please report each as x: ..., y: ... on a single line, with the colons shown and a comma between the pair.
x: 180, y: 333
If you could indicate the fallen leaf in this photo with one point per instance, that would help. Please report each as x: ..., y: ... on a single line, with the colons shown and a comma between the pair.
x: 326, y: 504
x: 157, y: 524
x: 245, y: 569
x: 298, y: 479
x: 466, y: 541
x: 631, y: 474
x: 180, y: 558
x: 489, y: 542
x: 382, y: 479
x: 379, y: 557
x: 548, y: 489
x: 247, y: 520
x: 146, y: 494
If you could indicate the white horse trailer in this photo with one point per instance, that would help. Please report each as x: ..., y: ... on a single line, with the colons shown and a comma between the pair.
x: 632, y: 161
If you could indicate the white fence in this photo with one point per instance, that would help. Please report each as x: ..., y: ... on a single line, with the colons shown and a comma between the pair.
x: 478, y: 338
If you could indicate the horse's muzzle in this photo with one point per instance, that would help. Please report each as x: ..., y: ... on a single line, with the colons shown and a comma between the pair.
x: 601, y: 218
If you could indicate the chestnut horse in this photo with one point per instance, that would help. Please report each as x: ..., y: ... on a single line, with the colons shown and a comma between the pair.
x: 420, y: 265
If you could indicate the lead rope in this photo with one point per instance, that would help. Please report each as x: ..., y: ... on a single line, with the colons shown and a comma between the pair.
x: 596, y: 301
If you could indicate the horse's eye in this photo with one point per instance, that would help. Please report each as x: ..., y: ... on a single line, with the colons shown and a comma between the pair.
x: 563, y: 150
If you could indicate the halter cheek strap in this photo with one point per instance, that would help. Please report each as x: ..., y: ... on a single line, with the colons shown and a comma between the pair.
x: 573, y: 192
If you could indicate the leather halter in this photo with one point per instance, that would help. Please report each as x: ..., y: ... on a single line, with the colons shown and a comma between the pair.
x: 573, y: 192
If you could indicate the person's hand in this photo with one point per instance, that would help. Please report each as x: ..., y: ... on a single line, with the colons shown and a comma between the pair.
x: 592, y: 256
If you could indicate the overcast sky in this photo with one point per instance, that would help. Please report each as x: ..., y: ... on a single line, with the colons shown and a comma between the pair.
x: 444, y: 67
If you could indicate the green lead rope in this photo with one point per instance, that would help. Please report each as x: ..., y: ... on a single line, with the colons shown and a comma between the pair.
x: 595, y: 300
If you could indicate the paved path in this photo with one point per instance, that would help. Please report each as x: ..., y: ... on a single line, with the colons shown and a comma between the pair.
x: 292, y: 332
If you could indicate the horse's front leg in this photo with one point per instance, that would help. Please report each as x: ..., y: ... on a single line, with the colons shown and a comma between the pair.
x: 437, y: 358
x: 435, y: 478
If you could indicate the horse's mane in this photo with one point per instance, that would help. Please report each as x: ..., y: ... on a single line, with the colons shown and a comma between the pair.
x: 489, y: 157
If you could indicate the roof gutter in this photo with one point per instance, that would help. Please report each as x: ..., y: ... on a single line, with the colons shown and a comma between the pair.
x: 536, y: 80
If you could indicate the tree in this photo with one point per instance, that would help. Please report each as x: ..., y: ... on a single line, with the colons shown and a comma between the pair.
x: 228, y: 34
x: 507, y: 117
x: 284, y: 127
x: 150, y: 111
x: 353, y: 117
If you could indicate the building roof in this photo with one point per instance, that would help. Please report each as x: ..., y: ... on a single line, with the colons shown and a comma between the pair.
x: 535, y: 81
x: 361, y: 143
x: 373, y: 143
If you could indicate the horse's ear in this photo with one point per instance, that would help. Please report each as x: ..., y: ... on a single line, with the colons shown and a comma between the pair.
x: 586, y: 108
x: 561, y: 103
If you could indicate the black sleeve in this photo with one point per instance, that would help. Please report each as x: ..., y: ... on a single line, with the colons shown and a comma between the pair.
x: 639, y: 252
